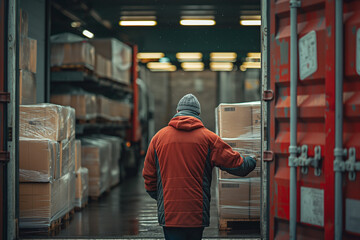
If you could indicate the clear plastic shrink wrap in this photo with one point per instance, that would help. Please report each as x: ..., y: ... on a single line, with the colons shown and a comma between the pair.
x: 27, y: 87
x: 120, y: 56
x: 71, y: 50
x: 44, y: 120
x: 42, y: 203
x: 113, y: 110
x: 82, y: 187
x: 39, y: 160
x: 116, y: 143
x: 83, y: 102
x: 96, y: 155
x: 239, y: 125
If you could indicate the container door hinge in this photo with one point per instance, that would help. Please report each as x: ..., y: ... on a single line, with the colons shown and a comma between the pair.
x: 304, y: 161
x: 4, y: 157
x: 268, y: 95
x: 268, y: 156
x: 351, y: 165
x: 4, y: 97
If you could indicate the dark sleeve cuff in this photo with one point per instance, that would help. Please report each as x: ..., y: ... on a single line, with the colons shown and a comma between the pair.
x: 152, y: 194
x: 244, y: 169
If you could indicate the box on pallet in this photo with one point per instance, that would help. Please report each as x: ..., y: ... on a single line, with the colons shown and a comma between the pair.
x: 82, y: 187
x: 102, y: 67
x: 72, y: 54
x: 239, y: 198
x: 239, y: 125
x: 39, y: 160
x: 42, y: 203
x: 77, y: 154
x: 119, y: 54
x: 27, y: 87
x: 28, y: 54
x: 96, y: 158
x: 83, y: 103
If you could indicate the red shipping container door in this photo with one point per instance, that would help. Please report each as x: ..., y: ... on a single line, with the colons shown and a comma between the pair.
x: 316, y: 117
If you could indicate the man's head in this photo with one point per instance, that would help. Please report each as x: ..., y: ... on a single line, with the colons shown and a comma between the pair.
x: 189, y: 102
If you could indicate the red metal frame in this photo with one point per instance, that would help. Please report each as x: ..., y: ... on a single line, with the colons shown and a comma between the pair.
x: 134, y: 133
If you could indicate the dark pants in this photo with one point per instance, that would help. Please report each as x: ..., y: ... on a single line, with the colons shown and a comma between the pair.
x: 179, y: 233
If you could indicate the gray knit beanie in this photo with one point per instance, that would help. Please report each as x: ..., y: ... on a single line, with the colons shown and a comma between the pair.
x: 189, y: 102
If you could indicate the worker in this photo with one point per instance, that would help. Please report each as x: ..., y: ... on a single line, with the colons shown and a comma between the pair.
x: 178, y: 170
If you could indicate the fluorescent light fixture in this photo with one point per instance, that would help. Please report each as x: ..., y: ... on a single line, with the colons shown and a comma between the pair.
x: 250, y: 22
x: 254, y: 55
x: 197, y: 22
x: 192, y: 66
x: 75, y: 24
x: 150, y: 55
x: 137, y: 23
x: 221, y: 66
x: 223, y: 56
x: 252, y: 64
x: 88, y: 34
x: 189, y: 56
x: 161, y: 67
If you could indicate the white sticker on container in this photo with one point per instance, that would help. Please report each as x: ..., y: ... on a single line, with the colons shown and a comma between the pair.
x: 358, y: 51
x: 312, y: 206
x: 307, y: 55
x: 352, y: 217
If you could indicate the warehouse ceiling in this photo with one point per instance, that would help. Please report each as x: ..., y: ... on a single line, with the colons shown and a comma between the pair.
x: 102, y: 17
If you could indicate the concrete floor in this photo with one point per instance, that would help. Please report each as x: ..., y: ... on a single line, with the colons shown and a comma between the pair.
x: 127, y: 212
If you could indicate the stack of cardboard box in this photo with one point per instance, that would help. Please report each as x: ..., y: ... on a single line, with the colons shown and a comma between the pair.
x: 71, y: 52
x: 239, y: 125
x: 82, y: 179
x: 120, y: 56
x: 84, y: 103
x: 47, y: 163
x: 96, y: 157
x: 113, y: 110
x: 27, y: 63
x: 103, y: 67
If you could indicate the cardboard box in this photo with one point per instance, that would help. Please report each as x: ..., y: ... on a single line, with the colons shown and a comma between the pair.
x: 73, y: 53
x: 255, y: 193
x: 82, y: 187
x: 38, y: 160
x: 67, y: 156
x: 28, y: 54
x: 103, y: 67
x: 77, y: 154
x: 24, y: 24
x: 103, y: 106
x: 120, y: 56
x: 42, y: 121
x: 27, y: 87
x: 96, y: 158
x: 40, y: 203
x: 84, y: 104
x: 234, y: 198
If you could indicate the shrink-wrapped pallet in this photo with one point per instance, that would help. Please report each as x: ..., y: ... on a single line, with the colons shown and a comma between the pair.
x: 82, y: 187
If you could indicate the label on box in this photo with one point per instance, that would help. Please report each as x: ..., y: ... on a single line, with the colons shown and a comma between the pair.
x: 312, y: 206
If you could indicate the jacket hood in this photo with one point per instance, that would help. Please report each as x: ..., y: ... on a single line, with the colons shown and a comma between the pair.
x: 186, y: 122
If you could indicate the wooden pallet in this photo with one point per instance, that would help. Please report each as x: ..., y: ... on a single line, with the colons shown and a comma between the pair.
x: 50, y: 231
x: 83, y: 121
x: 74, y: 67
x: 236, y: 223
x: 83, y: 205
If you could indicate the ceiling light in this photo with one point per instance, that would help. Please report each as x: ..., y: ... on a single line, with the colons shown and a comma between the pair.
x: 189, y: 56
x: 252, y: 64
x: 136, y: 23
x: 161, y: 67
x: 254, y: 55
x: 75, y: 24
x: 88, y: 34
x: 223, y: 56
x: 150, y: 55
x: 250, y: 22
x: 242, y: 68
x: 197, y: 22
x: 192, y: 66
x: 221, y: 66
